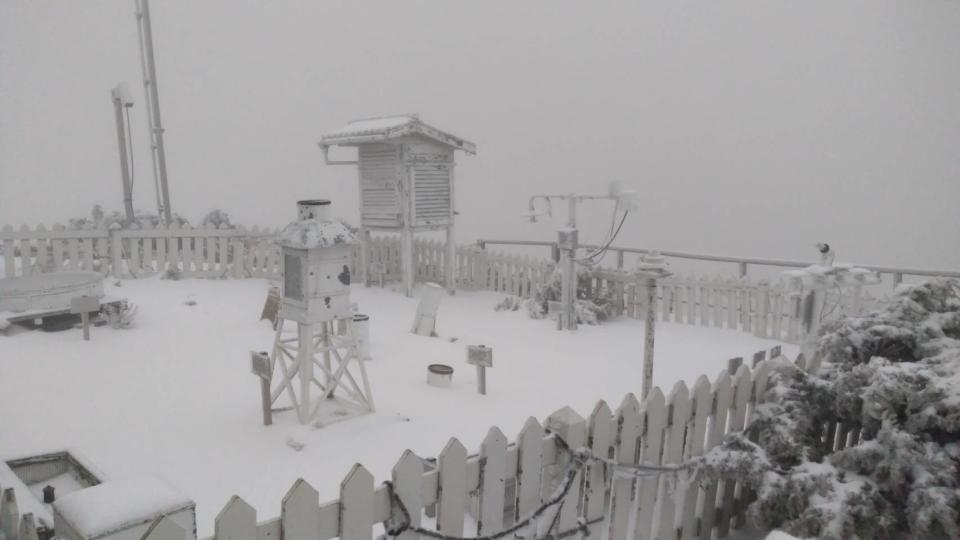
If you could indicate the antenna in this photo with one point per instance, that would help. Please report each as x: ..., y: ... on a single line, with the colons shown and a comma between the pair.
x: 154, y: 125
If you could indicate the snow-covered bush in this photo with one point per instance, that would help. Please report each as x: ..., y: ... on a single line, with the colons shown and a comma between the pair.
x: 592, y: 305
x: 120, y: 315
x: 217, y: 219
x: 99, y: 219
x: 172, y: 274
x: 894, y: 376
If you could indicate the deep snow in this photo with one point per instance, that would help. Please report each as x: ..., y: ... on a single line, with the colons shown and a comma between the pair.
x: 174, y: 396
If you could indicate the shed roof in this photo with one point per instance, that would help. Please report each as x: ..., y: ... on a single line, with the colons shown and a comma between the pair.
x: 391, y: 127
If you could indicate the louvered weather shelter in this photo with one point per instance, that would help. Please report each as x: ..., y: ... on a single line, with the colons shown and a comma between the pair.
x: 406, y: 183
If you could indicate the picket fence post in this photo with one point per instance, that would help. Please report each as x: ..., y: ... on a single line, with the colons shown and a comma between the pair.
x: 237, y: 521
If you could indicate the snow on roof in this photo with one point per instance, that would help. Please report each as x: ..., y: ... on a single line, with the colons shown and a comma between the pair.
x: 392, y: 127
x: 312, y: 233
x: 116, y: 505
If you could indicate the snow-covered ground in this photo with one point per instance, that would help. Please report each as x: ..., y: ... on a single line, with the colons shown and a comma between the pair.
x: 174, y: 396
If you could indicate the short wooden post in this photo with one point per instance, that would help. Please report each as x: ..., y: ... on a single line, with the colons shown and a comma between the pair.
x: 482, y: 357
x: 260, y: 366
x: 83, y: 305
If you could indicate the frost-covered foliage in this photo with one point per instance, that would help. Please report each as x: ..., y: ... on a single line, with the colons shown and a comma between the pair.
x: 120, y: 315
x: 217, y: 219
x: 592, y: 305
x: 99, y: 219
x: 893, y: 376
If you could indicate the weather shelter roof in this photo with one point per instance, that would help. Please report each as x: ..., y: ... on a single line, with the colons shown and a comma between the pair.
x: 386, y: 128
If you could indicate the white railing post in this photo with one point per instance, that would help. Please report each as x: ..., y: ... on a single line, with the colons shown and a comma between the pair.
x: 116, y: 252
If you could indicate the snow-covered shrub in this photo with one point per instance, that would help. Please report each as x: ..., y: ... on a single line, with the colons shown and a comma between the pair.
x: 171, y: 273
x: 217, y: 219
x: 894, y: 375
x: 99, y: 219
x: 120, y: 315
x: 592, y: 305
x: 510, y: 303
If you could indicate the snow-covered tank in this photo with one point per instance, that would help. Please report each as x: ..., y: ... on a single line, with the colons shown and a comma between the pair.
x: 123, y: 510
x: 47, y: 291
x: 316, y: 254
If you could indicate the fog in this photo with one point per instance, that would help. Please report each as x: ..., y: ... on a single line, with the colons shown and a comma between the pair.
x: 747, y: 128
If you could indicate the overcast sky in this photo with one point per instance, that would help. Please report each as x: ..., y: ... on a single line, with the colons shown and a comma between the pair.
x: 749, y: 128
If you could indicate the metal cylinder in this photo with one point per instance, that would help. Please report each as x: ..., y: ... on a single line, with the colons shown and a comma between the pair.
x: 361, y: 332
x: 318, y: 209
x: 439, y: 375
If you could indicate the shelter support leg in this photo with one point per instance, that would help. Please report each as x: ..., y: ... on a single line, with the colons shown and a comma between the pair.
x: 406, y: 261
x: 305, y: 361
x: 450, y: 261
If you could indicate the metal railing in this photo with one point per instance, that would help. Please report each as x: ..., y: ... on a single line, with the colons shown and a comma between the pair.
x: 897, y: 273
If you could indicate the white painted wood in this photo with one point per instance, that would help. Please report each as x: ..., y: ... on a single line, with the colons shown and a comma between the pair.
x: 721, y: 393
x: 678, y: 413
x: 9, y: 515
x: 623, y: 493
x: 572, y: 428
x: 165, y: 528
x: 237, y: 521
x: 654, y: 414
x: 26, y: 253
x: 73, y: 248
x: 717, y: 295
x: 407, y: 478
x: 425, y: 320
x: 703, y: 286
x: 529, y: 466
x: 493, y: 456
x: 28, y: 528
x: 701, y: 403
x: 742, y: 391
x: 356, y: 505
x: 9, y: 252
x: 300, y: 511
x: 732, y: 294
x: 600, y: 442
x: 452, y: 487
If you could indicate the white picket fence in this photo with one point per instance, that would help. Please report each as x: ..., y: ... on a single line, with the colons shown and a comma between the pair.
x: 767, y: 311
x: 140, y: 252
x: 462, y: 495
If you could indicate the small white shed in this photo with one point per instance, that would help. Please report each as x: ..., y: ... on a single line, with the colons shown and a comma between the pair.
x: 122, y: 510
x: 406, y: 181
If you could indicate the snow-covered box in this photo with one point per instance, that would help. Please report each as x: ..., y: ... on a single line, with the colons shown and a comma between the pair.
x: 122, y: 510
x: 317, y: 251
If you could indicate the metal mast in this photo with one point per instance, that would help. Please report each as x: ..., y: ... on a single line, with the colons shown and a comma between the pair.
x: 120, y: 96
x: 153, y: 110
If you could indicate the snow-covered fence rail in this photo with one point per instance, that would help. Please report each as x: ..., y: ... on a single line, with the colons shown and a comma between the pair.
x: 896, y: 273
x: 141, y: 251
x: 597, y: 492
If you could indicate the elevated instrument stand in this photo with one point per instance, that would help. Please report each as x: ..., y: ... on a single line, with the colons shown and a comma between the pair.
x: 344, y: 390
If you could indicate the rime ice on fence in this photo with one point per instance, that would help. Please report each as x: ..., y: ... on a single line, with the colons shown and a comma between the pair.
x: 503, y: 484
